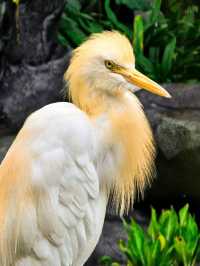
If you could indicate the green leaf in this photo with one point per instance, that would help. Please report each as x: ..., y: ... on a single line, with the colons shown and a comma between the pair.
x: 155, y: 254
x: 16, y: 2
x: 196, y: 255
x: 168, y: 56
x: 72, y: 30
x: 113, y: 18
x: 135, y: 5
x: 167, y: 257
x: 169, y: 224
x: 155, y: 11
x: 191, y: 236
x: 138, y: 36
x: 62, y: 40
x: 147, y: 252
x: 106, y: 260
x: 145, y: 65
x: 90, y: 26
x: 136, y: 240
x: 128, y: 251
x: 183, y: 215
x: 180, y: 247
x: 187, y: 21
x: 153, y: 229
x: 192, y: 227
x: 162, y: 240
x: 73, y: 5
x: 164, y: 216
x: 154, y: 54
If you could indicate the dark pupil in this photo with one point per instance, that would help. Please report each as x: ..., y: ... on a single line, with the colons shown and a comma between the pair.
x: 109, y: 64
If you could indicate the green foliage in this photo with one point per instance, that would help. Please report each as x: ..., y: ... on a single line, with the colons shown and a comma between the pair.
x: 16, y: 2
x: 170, y: 240
x: 171, y: 42
x: 2, y: 15
x: 77, y: 23
x: 135, y: 5
x: 2, y: 11
x: 113, y: 19
x: 165, y: 35
x: 107, y: 261
x: 156, y: 61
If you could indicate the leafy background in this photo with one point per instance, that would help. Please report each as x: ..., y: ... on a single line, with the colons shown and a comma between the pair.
x: 165, y: 34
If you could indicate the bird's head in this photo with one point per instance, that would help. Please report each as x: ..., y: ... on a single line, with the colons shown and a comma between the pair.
x: 100, y: 76
x: 105, y: 64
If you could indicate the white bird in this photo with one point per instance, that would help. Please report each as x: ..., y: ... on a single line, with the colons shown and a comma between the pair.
x: 69, y: 159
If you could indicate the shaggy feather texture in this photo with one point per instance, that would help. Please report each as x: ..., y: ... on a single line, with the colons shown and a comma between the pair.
x: 67, y: 159
x: 96, y: 94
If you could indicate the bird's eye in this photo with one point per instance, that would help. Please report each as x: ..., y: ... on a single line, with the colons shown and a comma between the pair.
x: 109, y: 64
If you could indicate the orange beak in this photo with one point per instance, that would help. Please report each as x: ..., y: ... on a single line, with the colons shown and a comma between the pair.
x: 140, y: 80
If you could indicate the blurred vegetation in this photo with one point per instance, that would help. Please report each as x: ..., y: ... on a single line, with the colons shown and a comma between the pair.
x: 170, y: 240
x: 5, y: 21
x: 165, y: 34
x: 2, y: 14
x: 16, y: 2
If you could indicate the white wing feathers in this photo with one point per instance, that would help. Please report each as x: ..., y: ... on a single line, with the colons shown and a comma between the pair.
x: 56, y: 224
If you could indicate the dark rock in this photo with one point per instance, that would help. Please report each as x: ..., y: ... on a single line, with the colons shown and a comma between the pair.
x: 25, y: 89
x: 5, y: 142
x: 176, y: 126
x: 113, y: 231
x: 33, y: 39
x: 33, y: 63
x: 108, y: 244
x: 176, y: 136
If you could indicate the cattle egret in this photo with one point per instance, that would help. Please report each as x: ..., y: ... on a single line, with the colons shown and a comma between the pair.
x: 69, y: 159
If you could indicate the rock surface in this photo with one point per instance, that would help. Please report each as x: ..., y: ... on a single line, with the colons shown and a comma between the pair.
x: 5, y: 142
x: 32, y: 65
x: 108, y: 244
x: 113, y: 231
x: 28, y: 88
x: 176, y: 126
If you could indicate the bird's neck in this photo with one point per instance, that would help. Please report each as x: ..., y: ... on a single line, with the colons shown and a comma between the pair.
x: 126, y: 142
x: 131, y: 137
